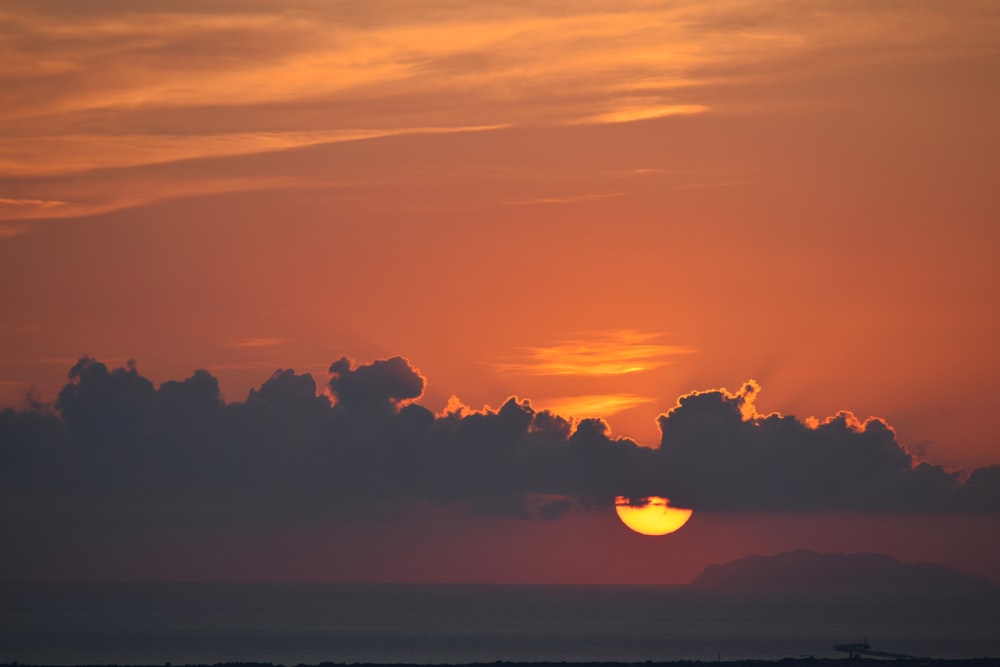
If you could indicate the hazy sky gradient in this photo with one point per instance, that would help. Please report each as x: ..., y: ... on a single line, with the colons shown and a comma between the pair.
x: 597, y: 206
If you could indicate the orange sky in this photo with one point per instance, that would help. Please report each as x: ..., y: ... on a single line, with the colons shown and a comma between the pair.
x: 598, y: 206
x: 803, y: 195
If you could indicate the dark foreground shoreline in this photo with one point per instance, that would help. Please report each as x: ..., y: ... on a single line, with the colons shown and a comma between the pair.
x: 783, y: 662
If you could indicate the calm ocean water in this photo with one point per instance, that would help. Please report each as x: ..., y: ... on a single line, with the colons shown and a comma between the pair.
x: 312, y: 623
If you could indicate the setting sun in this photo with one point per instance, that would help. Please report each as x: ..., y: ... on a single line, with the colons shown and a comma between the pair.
x: 654, y: 517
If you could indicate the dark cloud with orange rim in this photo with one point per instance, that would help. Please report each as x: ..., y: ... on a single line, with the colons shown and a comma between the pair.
x: 114, y: 446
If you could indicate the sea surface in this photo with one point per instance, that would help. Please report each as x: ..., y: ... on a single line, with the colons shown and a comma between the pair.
x: 49, y: 624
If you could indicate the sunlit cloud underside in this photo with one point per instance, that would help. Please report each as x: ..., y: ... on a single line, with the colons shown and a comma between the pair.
x: 614, y: 353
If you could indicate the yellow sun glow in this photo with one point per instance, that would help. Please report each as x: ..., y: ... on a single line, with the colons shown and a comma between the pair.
x: 653, y: 517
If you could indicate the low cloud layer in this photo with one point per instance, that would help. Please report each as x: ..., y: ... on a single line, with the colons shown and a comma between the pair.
x: 115, y: 451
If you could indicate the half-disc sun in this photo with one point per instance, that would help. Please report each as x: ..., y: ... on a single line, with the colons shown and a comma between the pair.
x: 652, y: 515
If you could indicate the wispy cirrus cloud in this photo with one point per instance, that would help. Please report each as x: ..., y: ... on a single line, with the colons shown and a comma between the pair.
x: 608, y: 353
x: 564, y: 199
x: 88, y: 86
x: 256, y: 342
x: 123, y: 188
x: 706, y: 186
x: 632, y: 112
x: 30, y: 203
x: 87, y: 152
x: 22, y: 208
x: 101, y: 174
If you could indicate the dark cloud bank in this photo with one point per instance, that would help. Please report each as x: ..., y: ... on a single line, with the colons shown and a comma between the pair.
x: 116, y: 451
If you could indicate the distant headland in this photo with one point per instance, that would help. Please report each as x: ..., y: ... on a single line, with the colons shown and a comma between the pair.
x: 809, y: 569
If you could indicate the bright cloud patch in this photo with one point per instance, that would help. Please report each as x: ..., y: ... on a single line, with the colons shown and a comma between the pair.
x: 613, y: 353
x: 601, y: 405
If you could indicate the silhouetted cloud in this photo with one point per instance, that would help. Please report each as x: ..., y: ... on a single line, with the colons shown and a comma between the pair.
x: 114, y: 452
x: 722, y: 454
x: 381, y: 384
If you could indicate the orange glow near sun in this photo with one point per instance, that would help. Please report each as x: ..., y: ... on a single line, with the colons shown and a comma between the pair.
x: 589, y: 405
x: 654, y: 517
